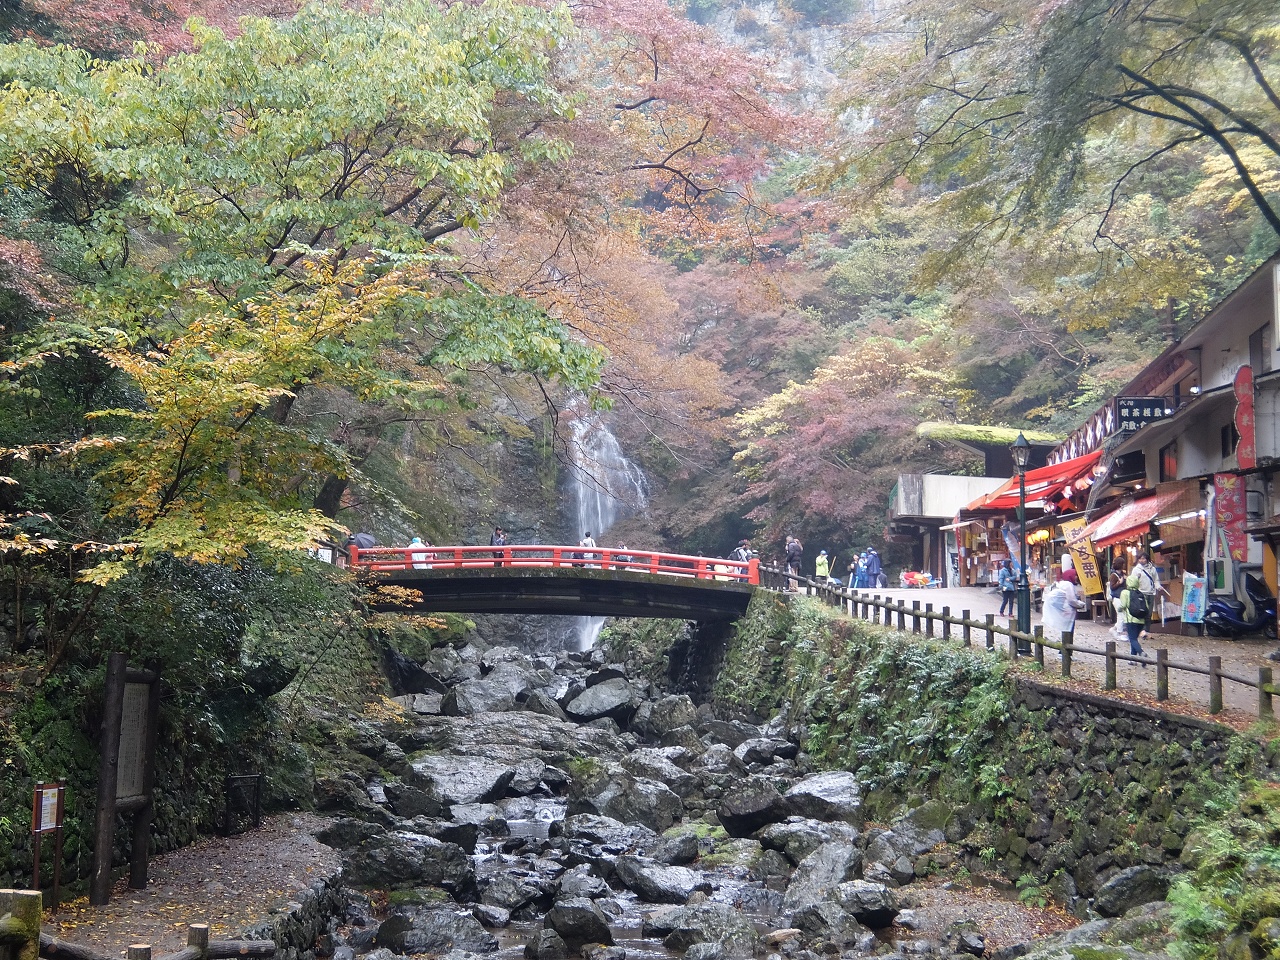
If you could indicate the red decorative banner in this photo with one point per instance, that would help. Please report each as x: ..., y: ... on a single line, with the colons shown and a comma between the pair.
x: 1229, y: 512
x: 1246, y: 449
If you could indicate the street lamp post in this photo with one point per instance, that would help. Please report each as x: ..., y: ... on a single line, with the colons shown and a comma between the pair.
x: 1021, y: 451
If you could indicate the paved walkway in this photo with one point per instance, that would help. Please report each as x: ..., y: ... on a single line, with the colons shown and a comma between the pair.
x: 1240, y: 658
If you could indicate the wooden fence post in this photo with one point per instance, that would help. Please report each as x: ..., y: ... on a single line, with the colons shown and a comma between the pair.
x: 928, y: 619
x: 20, y: 923
x: 1111, y: 666
x: 1266, y: 710
x: 875, y: 609
x: 198, y: 938
x: 138, y: 951
x: 1037, y: 643
x: 991, y: 633
x: 968, y: 629
x: 946, y: 623
x: 915, y: 616
x: 1013, y: 645
x: 1066, y: 654
x: 1215, y: 684
x: 902, y: 615
x: 1162, y: 674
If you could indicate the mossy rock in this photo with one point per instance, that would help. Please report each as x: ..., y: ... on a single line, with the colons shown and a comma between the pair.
x: 418, y: 897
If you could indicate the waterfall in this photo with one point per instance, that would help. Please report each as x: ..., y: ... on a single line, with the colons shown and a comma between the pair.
x: 606, y: 488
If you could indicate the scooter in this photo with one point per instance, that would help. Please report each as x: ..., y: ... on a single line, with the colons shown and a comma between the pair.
x: 1225, y: 616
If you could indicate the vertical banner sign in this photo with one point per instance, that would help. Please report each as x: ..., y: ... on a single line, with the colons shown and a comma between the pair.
x: 1247, y: 447
x: 46, y: 817
x: 1229, y: 512
x: 1193, y: 589
x: 1086, y: 563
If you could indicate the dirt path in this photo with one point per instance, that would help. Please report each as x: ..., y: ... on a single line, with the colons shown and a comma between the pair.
x: 230, y: 883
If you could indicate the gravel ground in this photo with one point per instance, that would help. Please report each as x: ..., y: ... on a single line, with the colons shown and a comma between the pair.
x: 230, y: 883
x: 999, y: 916
x: 1241, y: 658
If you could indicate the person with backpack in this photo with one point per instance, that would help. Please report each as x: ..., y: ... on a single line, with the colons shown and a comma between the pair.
x: 1148, y: 583
x: 1008, y: 585
x: 589, y: 542
x: 1135, y: 612
x: 794, y: 556
x: 742, y: 552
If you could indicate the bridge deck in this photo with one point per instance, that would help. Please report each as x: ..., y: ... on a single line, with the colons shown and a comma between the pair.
x: 526, y: 579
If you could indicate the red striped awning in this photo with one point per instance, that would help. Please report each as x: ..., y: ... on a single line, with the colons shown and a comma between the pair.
x: 1044, y: 484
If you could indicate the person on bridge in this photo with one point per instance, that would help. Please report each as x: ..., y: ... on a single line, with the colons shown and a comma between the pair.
x: 589, y: 544
x: 822, y: 567
x: 742, y: 553
x: 498, y: 539
x: 795, y: 554
x: 419, y: 557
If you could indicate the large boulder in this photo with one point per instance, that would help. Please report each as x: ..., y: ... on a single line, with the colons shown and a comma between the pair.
x: 871, y: 903
x: 797, y: 837
x: 634, y: 800
x: 398, y: 859
x: 435, y: 930
x: 715, y: 923
x: 1129, y: 888
x: 605, y: 831
x: 834, y: 795
x: 511, y: 891
x: 579, y: 921
x: 616, y: 699
x: 409, y: 801
x: 669, y: 713
x: 828, y: 921
x: 759, y: 750
x: 676, y: 846
x: 463, y: 779
x: 546, y: 945
x: 656, y: 882
x: 581, y: 882
x: 656, y: 764
x: 749, y: 805
x: 820, y: 873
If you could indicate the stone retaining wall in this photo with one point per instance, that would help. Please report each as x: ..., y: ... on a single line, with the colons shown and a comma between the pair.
x: 297, y: 932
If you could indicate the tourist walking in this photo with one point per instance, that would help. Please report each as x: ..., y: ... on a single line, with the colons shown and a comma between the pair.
x: 1148, y: 583
x: 498, y: 539
x: 1134, y: 612
x: 1062, y: 602
x: 1008, y: 585
x: 419, y: 558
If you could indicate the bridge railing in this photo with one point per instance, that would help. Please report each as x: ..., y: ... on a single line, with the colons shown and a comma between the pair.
x: 433, y: 557
x: 886, y: 611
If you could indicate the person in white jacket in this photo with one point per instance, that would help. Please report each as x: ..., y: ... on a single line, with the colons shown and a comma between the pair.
x: 1062, y: 602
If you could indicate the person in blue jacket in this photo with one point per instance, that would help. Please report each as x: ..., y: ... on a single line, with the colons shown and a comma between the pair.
x: 1008, y: 588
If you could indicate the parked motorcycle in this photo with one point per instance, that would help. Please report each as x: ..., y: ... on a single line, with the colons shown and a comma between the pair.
x: 1225, y: 616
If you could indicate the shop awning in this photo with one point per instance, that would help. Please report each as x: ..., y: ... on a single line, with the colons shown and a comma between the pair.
x: 1043, y: 484
x: 1128, y: 519
x: 959, y: 523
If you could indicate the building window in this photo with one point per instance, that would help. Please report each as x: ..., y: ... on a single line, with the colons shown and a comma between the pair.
x: 1169, y: 462
x: 1230, y: 437
x: 1260, y: 350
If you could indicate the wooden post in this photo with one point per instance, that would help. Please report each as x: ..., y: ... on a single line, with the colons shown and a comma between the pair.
x: 991, y: 632
x: 1066, y: 654
x: 108, y: 765
x: 1215, y: 684
x: 902, y: 615
x: 1037, y: 644
x: 138, y: 951
x: 968, y: 629
x: 198, y: 938
x: 141, y: 846
x: 1162, y: 674
x: 875, y: 609
x: 946, y: 623
x: 915, y: 616
x: 1266, y: 710
x: 20, y: 923
x: 1111, y: 665
x: 928, y: 619
x: 1013, y: 645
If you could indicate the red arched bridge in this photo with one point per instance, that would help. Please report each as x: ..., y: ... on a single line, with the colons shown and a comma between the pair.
x: 576, y: 581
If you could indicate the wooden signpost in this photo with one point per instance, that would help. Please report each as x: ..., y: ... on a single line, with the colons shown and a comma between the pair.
x: 46, y: 817
x: 126, y: 770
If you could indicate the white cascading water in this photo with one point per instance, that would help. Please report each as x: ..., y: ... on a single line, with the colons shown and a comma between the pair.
x: 606, y: 488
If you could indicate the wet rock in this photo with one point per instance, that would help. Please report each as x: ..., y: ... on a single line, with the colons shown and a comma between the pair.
x: 528, y: 777
x: 798, y: 837
x: 873, y: 904
x: 347, y: 832
x: 614, y: 699
x: 819, y: 874
x: 510, y: 891
x: 732, y: 733
x: 634, y: 800
x: 704, y: 951
x: 758, y: 750
x: 670, y: 713
x: 463, y: 779
x: 904, y: 841
x: 596, y: 951
x: 579, y: 921
x: 834, y: 795
x: 450, y: 831
x: 409, y: 801
x: 1131, y: 888
x: 605, y: 831
x: 655, y: 882
x: 435, y: 930
x: 490, y: 916
x: 538, y: 701
x: 770, y: 863
x: 716, y: 923
x: 676, y: 847
x: 828, y: 921
x: 397, y: 859
x: 750, y: 805
x: 685, y: 738
x: 718, y: 758
x: 581, y: 882
x: 546, y: 945
x: 423, y: 704
x: 656, y: 764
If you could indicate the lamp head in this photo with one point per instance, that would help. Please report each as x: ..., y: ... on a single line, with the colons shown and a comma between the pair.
x: 1021, y: 451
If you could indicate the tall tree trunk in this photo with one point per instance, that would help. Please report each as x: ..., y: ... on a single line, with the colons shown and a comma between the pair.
x: 329, y: 500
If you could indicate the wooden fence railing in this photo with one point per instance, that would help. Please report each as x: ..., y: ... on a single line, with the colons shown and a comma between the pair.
x: 865, y: 605
x: 21, y: 937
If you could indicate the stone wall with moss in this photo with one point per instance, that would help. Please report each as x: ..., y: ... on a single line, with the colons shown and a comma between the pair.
x: 1067, y: 788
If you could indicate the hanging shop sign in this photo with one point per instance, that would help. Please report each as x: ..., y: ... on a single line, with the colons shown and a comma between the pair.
x: 1229, y: 510
x: 1086, y: 563
x: 1193, y: 589
x: 1247, y: 447
x: 1134, y: 413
